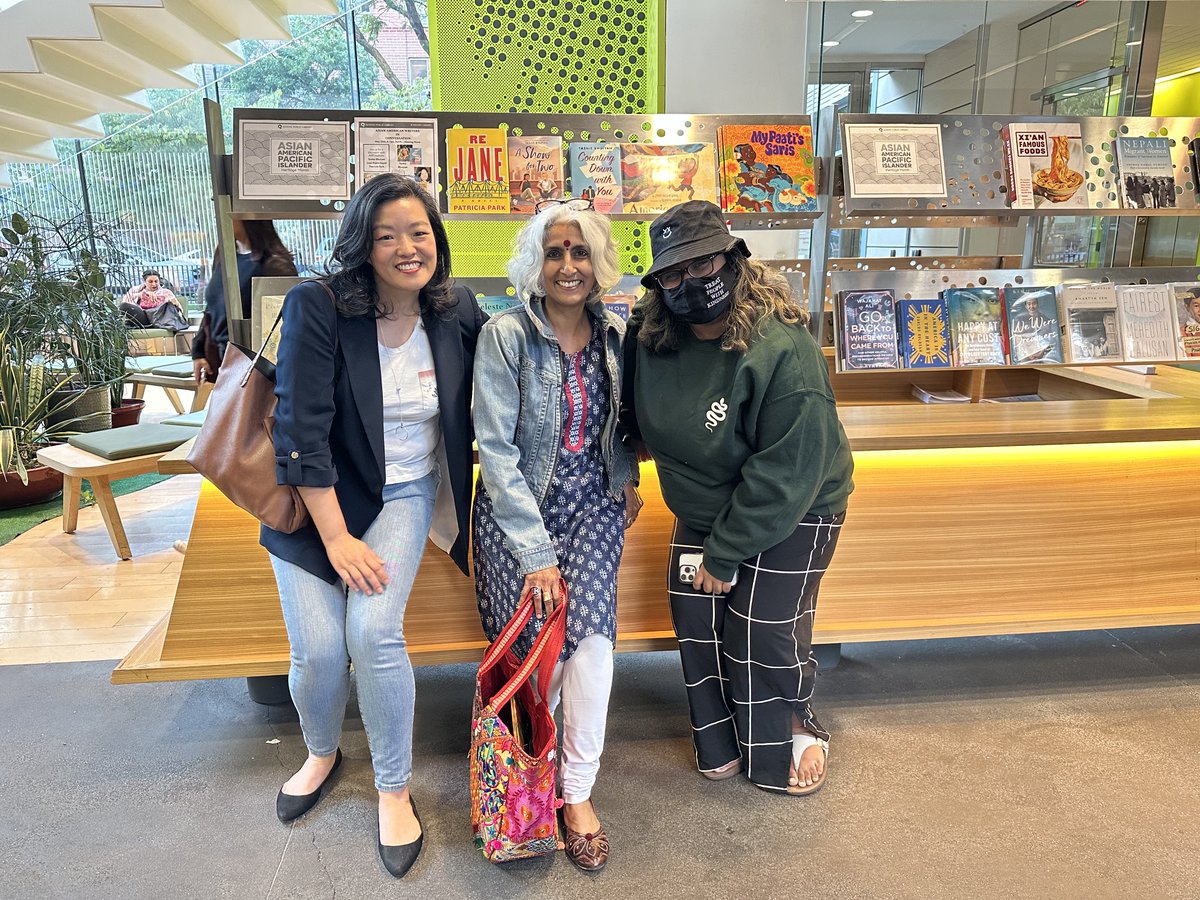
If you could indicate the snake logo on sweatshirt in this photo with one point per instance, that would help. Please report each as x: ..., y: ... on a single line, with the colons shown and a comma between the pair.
x: 716, y: 413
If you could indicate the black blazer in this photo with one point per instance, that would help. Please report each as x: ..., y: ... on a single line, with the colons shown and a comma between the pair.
x: 329, y: 418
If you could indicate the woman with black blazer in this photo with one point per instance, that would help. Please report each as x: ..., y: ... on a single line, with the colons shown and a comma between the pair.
x: 373, y: 426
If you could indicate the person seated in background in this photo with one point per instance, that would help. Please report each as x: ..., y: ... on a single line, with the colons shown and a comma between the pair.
x: 140, y: 299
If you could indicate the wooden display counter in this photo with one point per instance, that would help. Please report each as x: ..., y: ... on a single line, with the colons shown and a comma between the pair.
x: 970, y: 519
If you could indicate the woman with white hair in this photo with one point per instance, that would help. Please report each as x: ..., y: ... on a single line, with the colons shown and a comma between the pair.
x: 557, y: 479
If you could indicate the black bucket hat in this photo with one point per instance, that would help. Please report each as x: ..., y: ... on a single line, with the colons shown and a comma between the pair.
x: 687, y: 231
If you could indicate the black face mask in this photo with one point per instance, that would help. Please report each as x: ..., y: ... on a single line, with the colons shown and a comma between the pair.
x: 699, y: 302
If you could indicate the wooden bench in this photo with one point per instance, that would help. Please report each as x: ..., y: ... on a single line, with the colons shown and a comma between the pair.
x: 172, y: 374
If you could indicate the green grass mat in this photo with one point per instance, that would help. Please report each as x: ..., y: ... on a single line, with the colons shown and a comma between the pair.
x: 17, y: 521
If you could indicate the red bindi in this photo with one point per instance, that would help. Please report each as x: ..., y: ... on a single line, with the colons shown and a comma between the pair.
x: 566, y: 243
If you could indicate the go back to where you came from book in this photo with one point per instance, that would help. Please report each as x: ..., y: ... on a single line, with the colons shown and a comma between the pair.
x: 870, y: 333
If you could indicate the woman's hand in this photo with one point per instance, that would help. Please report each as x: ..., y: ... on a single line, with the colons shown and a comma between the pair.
x: 633, y: 504
x: 708, y: 584
x: 546, y: 587
x: 356, y: 564
x: 201, y: 370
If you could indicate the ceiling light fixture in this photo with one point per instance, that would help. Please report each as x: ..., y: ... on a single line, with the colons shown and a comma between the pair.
x: 830, y: 43
x: 862, y: 13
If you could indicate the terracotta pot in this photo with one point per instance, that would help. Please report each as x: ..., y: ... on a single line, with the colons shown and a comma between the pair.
x: 44, y: 484
x: 128, y: 412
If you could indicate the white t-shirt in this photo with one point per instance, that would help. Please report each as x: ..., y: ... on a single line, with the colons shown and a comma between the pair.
x: 410, y: 408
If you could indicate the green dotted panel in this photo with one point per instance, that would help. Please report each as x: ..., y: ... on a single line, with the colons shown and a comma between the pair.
x: 535, y: 56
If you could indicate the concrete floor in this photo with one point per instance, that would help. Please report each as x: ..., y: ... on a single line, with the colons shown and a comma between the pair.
x: 1058, y: 766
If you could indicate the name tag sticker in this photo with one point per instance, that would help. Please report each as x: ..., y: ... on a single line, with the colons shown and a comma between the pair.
x: 429, y: 396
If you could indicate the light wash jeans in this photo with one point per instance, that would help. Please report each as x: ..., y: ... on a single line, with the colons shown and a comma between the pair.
x: 329, y: 628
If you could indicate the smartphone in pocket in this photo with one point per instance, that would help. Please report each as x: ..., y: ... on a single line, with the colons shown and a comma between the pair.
x: 689, y: 565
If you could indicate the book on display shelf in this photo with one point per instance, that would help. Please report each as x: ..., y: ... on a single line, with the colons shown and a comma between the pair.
x: 1091, y: 320
x: 1045, y: 164
x: 493, y: 305
x: 1034, y: 328
x: 897, y: 161
x: 655, y: 177
x: 767, y: 168
x: 976, y: 329
x: 401, y: 145
x: 596, y: 174
x: 535, y: 170
x: 870, y: 336
x: 1147, y: 322
x: 925, y: 334
x: 1194, y: 158
x: 947, y: 396
x: 477, y: 170
x: 1186, y: 295
x: 1147, y: 174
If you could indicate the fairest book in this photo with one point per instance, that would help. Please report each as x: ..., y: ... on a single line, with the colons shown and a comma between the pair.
x: 925, y: 334
x: 477, y: 177
x: 893, y: 161
x: 596, y: 174
x: 1090, y: 316
x: 1045, y: 164
x: 870, y: 337
x: 1147, y: 174
x: 976, y: 332
x: 767, y: 168
x: 654, y: 177
x: 1187, y: 318
x: 1147, y: 322
x: 535, y: 170
x: 1034, y: 329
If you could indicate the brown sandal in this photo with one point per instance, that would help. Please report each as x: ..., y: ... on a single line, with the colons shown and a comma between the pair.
x: 588, y: 851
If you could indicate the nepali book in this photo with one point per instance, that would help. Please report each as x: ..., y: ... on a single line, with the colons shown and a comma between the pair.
x: 1147, y: 322
x: 924, y: 334
x: 767, y: 168
x: 976, y: 329
x: 1186, y: 295
x: 1034, y: 328
x: 1146, y: 172
x: 477, y: 170
x: 1090, y: 316
x: 596, y: 174
x: 404, y: 146
x: 655, y: 177
x: 535, y: 170
x: 1045, y: 164
x: 893, y: 161
x: 870, y: 336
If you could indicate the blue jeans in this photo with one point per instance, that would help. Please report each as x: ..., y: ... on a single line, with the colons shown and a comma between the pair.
x: 328, y: 628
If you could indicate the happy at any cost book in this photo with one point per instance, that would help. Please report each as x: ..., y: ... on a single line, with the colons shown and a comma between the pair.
x: 1187, y: 318
x: 535, y: 170
x: 477, y: 170
x: 1034, y: 330
x: 1045, y: 164
x: 654, y: 177
x: 1090, y: 315
x: 925, y: 334
x: 596, y: 174
x: 1147, y: 322
x: 766, y: 168
x: 870, y: 337
x: 1146, y: 172
x: 976, y: 332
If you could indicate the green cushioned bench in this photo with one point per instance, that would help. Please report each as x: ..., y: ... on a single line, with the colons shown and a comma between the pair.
x: 188, y: 420
x: 135, y: 365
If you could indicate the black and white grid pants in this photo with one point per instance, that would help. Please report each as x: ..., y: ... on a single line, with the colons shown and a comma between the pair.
x: 747, y: 655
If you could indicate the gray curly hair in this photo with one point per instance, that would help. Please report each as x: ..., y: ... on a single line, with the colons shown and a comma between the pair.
x: 525, y: 267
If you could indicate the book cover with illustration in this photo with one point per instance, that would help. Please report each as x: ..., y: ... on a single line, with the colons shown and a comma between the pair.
x: 1186, y: 295
x: 1090, y: 316
x: 1045, y: 164
x: 870, y: 336
x: 654, y: 177
x: 1034, y: 329
x: 596, y: 174
x: 1146, y: 172
x: 535, y: 170
x: 893, y: 161
x: 1147, y: 322
x: 976, y: 330
x: 925, y: 334
x: 477, y: 170
x: 767, y: 168
x: 624, y: 295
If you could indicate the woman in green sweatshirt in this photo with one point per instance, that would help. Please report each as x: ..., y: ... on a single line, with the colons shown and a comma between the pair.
x: 732, y: 399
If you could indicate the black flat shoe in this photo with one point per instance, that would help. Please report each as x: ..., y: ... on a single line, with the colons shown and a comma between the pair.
x: 293, y: 806
x: 400, y: 858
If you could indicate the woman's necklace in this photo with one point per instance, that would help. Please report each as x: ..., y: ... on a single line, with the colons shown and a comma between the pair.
x: 396, y: 367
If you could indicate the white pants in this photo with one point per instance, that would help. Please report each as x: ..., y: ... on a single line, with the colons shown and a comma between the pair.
x: 584, y: 683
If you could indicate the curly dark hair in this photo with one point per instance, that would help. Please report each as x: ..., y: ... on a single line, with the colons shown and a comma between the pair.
x: 353, y: 279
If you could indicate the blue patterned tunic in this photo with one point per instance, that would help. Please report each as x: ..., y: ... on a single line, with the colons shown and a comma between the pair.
x: 585, y: 524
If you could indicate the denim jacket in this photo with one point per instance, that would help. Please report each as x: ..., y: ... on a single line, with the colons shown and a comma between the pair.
x: 517, y: 358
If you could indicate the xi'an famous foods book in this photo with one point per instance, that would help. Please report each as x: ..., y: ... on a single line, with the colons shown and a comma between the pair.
x: 1147, y: 322
x: 596, y: 174
x: 1187, y: 318
x: 1034, y: 331
x: 654, y: 177
x: 477, y: 170
x: 1045, y: 165
x: 925, y: 334
x: 976, y: 332
x: 767, y: 168
x: 894, y: 161
x: 1146, y: 173
x: 870, y: 337
x: 1090, y: 316
x: 535, y: 170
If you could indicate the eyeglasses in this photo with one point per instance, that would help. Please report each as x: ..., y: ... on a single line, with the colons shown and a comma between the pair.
x: 697, y: 268
x: 575, y: 203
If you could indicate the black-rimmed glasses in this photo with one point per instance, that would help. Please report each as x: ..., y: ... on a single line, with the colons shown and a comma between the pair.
x: 697, y: 268
x: 576, y: 203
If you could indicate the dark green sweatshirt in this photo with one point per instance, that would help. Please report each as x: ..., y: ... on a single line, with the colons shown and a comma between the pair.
x: 746, y: 444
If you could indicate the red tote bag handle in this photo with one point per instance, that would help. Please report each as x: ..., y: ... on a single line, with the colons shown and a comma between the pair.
x: 542, y: 657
